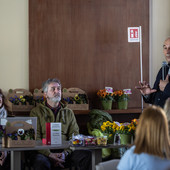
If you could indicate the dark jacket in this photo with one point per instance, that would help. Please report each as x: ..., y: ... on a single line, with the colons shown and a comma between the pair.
x: 159, y: 97
x: 65, y: 116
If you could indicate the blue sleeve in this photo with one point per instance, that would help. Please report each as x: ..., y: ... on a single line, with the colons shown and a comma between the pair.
x: 125, y: 161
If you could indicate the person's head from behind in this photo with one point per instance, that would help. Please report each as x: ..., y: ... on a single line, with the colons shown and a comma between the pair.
x: 166, y: 49
x: 167, y: 108
x: 52, y: 90
x: 152, y: 135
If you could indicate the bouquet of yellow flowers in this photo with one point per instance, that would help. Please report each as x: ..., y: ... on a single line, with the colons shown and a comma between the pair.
x: 109, y: 128
x: 127, y: 128
x: 104, y: 95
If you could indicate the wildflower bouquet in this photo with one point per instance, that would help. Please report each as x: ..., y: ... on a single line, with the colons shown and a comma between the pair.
x: 104, y: 95
x: 22, y: 99
x: 77, y: 99
x: 127, y: 128
x: 109, y: 128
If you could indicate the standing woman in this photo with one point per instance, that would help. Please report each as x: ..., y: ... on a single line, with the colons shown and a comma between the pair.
x: 152, y: 144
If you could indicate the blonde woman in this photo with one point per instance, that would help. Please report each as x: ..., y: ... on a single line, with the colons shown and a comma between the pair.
x: 167, y: 111
x: 152, y: 145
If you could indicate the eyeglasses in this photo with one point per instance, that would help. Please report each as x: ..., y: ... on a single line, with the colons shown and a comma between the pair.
x: 166, y: 47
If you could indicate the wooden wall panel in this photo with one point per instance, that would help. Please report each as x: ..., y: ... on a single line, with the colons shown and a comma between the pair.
x: 84, y: 44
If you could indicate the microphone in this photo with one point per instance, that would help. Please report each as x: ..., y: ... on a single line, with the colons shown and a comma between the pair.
x: 163, y: 69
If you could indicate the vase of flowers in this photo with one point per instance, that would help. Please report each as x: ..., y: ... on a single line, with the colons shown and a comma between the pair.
x: 122, y: 97
x: 109, y: 129
x: 126, y: 132
x: 106, y: 99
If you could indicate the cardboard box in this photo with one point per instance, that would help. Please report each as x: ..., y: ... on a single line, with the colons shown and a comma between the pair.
x: 72, y: 92
x: 17, y: 131
x: 38, y: 96
x: 14, y: 94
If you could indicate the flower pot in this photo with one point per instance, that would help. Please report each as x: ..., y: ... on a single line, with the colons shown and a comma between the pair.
x: 106, y: 104
x: 125, y: 139
x: 123, y: 104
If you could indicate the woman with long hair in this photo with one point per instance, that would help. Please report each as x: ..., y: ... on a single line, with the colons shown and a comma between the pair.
x: 151, y: 148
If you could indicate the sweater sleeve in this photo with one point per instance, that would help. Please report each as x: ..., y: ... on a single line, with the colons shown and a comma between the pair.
x: 73, y: 126
x: 33, y: 113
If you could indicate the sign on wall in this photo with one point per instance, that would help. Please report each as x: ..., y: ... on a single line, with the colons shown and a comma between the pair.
x: 133, y: 34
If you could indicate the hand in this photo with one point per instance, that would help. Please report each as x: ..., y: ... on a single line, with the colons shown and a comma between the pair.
x: 163, y: 83
x: 145, y: 88
x: 57, y: 158
x: 3, y: 157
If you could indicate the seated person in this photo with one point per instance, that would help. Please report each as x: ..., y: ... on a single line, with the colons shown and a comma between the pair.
x: 152, y: 145
x: 167, y: 111
x: 4, y: 158
x: 53, y: 110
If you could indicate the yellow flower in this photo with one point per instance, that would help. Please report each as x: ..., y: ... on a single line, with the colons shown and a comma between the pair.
x: 21, y: 97
x: 76, y: 97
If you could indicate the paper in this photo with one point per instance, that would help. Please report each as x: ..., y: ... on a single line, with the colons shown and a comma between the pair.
x: 53, y: 133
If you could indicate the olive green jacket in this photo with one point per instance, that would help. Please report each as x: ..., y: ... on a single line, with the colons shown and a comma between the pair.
x: 65, y: 116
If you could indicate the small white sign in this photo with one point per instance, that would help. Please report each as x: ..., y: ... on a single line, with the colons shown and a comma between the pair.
x: 109, y: 89
x: 56, y: 133
x: 133, y: 34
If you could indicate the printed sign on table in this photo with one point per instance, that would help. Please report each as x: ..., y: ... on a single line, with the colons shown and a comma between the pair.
x: 53, y: 134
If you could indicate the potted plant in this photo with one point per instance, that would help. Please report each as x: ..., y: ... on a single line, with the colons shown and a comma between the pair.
x: 109, y: 128
x: 122, y: 97
x: 106, y: 99
x: 126, y: 131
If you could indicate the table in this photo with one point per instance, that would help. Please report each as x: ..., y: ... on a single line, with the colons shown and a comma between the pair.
x: 97, y: 151
x: 16, y: 152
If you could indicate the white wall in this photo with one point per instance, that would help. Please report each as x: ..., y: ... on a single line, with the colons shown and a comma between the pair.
x: 13, y: 44
x: 160, y: 29
x: 14, y: 41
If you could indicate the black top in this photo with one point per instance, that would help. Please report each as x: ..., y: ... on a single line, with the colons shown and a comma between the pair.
x: 159, y: 97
